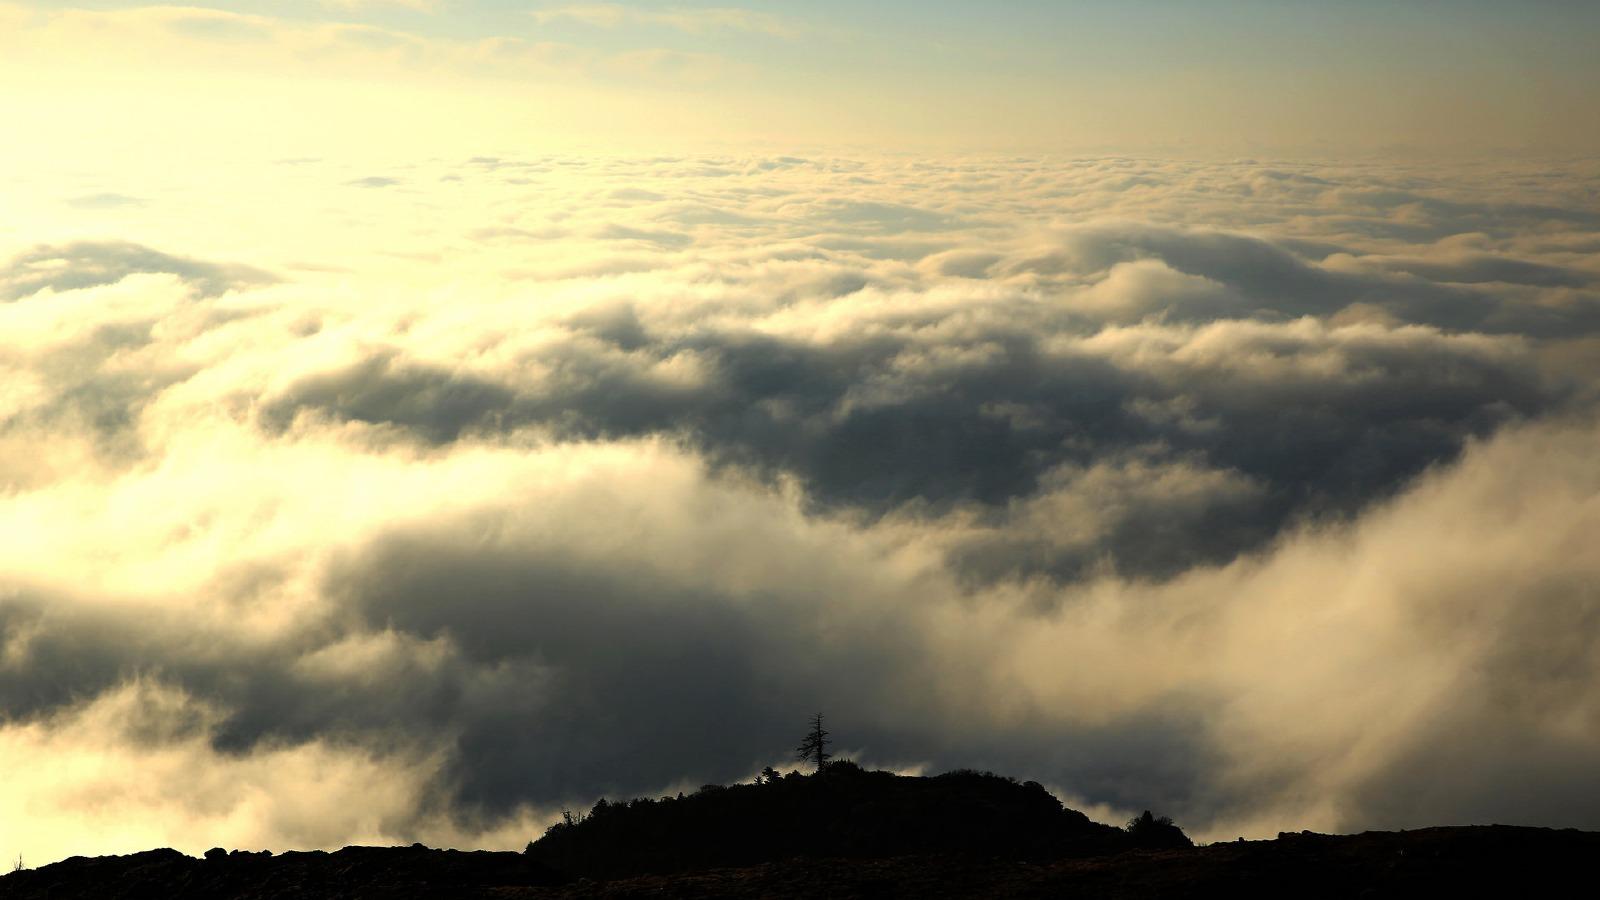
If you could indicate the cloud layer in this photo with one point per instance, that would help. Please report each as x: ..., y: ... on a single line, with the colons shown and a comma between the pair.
x: 1257, y: 494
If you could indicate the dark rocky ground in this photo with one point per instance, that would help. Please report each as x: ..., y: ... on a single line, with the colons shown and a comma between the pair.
x: 1433, y: 862
x: 851, y: 833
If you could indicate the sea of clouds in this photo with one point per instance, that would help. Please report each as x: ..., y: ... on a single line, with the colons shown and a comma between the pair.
x: 422, y: 501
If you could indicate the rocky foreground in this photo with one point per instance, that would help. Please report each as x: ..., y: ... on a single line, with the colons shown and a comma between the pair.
x: 1475, y: 861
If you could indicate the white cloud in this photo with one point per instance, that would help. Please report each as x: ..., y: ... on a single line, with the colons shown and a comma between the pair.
x: 1263, y: 508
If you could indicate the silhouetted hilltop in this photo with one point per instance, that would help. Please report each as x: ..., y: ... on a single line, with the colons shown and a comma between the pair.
x: 842, y: 811
x: 846, y: 832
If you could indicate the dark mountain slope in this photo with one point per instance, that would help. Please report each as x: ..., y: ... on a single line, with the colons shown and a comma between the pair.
x: 1486, y: 861
x: 842, y: 811
x: 851, y: 833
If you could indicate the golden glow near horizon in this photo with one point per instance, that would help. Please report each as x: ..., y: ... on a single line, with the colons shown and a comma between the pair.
x: 409, y: 410
x: 159, y: 81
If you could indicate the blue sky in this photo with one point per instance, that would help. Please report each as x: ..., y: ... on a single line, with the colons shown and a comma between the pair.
x: 1292, y: 35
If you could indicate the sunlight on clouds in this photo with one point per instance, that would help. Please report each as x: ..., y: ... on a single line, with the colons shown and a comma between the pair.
x: 1131, y: 493
x: 382, y: 463
x: 196, y: 83
x: 77, y: 791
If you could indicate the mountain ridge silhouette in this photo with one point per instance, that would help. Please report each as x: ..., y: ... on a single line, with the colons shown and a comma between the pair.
x: 848, y: 832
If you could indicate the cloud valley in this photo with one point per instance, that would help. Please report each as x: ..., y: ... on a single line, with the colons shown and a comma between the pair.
x: 1260, y: 495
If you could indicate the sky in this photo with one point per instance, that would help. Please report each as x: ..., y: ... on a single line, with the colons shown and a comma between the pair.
x: 1226, y: 76
x: 418, y: 419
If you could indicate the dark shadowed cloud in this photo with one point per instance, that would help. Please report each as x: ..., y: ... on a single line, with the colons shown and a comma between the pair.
x: 85, y: 264
x: 1257, y: 494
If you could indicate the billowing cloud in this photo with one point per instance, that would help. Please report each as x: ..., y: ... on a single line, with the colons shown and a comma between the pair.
x: 1258, y: 496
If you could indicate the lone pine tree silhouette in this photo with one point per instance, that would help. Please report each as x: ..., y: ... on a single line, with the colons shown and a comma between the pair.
x: 814, y: 747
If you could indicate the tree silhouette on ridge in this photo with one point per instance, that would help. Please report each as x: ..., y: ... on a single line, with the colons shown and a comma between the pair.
x: 814, y: 747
